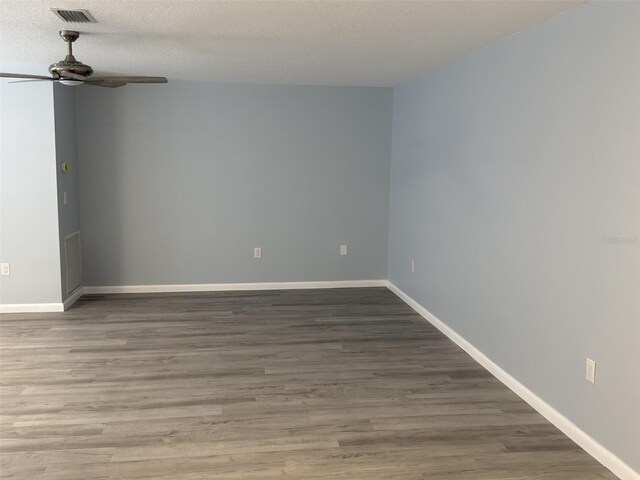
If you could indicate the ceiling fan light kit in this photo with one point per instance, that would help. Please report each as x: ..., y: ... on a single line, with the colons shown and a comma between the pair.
x: 71, y: 72
x: 70, y: 83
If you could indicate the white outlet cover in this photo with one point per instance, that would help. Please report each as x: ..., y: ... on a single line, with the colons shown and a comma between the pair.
x: 5, y: 269
x: 591, y: 371
x: 343, y: 250
x: 257, y: 252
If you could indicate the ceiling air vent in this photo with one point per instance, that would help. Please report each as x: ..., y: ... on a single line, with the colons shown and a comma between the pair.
x: 73, y: 16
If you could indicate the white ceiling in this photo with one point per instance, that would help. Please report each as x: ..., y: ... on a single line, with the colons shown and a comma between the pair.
x: 321, y: 42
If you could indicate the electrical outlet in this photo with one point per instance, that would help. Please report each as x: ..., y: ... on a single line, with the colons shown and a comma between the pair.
x: 591, y: 371
x: 257, y: 252
x: 343, y: 250
x: 413, y: 266
x: 5, y: 269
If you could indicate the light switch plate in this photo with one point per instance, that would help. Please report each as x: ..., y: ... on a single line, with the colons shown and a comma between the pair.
x: 5, y: 269
x: 591, y: 371
x: 343, y: 250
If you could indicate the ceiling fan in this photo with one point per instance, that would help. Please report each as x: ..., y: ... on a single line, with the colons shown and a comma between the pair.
x: 72, y: 72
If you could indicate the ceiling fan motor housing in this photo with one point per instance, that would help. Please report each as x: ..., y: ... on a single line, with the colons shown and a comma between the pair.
x: 70, y: 64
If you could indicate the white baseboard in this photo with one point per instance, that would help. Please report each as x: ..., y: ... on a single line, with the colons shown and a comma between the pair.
x: 73, y: 298
x: 225, y: 287
x: 31, y: 307
x: 570, y: 429
x: 42, y: 307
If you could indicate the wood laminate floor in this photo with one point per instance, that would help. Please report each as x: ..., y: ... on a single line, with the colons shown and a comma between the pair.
x: 306, y: 384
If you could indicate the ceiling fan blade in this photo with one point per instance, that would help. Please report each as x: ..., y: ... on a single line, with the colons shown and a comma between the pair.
x: 130, y: 79
x: 26, y: 76
x: 35, y: 80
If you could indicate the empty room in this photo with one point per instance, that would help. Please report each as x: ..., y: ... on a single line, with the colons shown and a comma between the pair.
x: 319, y: 239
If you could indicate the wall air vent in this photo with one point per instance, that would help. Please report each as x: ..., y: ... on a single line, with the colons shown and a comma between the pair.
x: 73, y: 16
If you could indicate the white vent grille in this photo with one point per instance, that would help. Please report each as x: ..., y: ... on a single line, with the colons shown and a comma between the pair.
x: 72, y: 261
x: 73, y: 16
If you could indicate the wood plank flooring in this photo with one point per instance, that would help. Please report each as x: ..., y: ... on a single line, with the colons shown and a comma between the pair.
x: 303, y: 384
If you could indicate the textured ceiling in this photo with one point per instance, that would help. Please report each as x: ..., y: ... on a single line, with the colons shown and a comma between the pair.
x: 279, y: 42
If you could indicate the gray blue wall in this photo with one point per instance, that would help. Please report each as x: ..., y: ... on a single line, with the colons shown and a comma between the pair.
x: 28, y: 207
x: 66, y: 151
x: 516, y: 189
x: 179, y: 182
x: 515, y: 180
